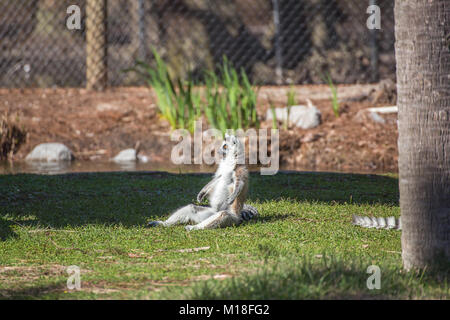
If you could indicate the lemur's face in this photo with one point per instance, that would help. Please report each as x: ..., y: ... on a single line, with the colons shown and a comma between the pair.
x: 230, y: 146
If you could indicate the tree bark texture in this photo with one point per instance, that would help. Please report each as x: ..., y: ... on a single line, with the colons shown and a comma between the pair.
x: 422, y: 29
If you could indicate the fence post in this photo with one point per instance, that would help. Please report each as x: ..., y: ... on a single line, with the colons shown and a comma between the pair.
x: 142, y: 31
x: 278, y: 48
x: 96, y: 45
x: 374, y: 50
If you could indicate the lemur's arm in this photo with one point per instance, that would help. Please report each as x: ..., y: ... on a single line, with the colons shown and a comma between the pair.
x: 207, y: 189
x: 239, y: 184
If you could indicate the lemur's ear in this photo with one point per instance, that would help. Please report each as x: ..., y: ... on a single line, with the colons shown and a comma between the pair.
x: 226, y: 136
x: 233, y: 139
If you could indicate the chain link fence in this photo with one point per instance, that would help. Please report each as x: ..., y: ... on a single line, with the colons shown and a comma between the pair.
x: 275, y: 41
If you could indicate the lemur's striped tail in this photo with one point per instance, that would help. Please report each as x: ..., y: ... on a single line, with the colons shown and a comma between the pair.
x: 378, y: 223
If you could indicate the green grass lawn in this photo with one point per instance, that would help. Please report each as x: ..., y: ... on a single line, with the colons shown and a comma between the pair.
x: 302, y: 246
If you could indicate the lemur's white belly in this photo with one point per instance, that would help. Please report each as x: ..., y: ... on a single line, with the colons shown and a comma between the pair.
x: 220, y: 195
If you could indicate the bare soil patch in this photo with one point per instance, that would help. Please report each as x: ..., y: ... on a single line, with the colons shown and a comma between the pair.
x: 97, y: 125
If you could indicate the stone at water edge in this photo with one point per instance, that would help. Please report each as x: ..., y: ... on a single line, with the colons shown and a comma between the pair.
x: 126, y: 155
x: 130, y: 155
x: 143, y: 159
x: 50, y: 152
x: 305, y: 117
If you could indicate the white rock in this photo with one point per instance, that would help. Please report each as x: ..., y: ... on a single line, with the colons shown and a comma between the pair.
x: 376, y: 117
x: 106, y: 107
x: 50, y: 152
x: 143, y: 159
x: 366, y: 115
x: 305, y: 117
x: 126, y: 155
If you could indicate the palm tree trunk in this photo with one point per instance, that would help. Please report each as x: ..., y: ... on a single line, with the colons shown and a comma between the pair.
x: 422, y: 28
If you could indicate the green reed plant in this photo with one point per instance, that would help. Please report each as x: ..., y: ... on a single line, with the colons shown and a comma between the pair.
x: 290, y: 102
x: 177, y: 101
x: 334, y: 97
x: 274, y: 114
x: 274, y: 117
x: 228, y: 101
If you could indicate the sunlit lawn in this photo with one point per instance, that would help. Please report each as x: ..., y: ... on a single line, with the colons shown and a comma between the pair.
x: 302, y: 246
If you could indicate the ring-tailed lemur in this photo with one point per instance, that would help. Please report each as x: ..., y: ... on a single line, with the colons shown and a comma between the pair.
x: 378, y: 223
x: 226, y: 192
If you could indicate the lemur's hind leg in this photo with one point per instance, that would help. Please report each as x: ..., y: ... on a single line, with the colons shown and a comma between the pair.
x: 188, y: 214
x: 221, y: 219
x: 249, y: 212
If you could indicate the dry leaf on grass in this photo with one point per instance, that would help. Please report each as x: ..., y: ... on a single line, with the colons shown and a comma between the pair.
x: 193, y: 249
x: 137, y: 254
x: 208, y: 277
x: 221, y: 276
x: 106, y: 257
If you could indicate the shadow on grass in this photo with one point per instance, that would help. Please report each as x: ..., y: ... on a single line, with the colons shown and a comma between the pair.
x: 6, y: 231
x: 132, y: 198
x: 273, y: 218
x: 326, y: 279
x: 31, y: 292
x: 326, y: 187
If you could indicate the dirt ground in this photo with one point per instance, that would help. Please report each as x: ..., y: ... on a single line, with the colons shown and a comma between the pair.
x: 97, y: 125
